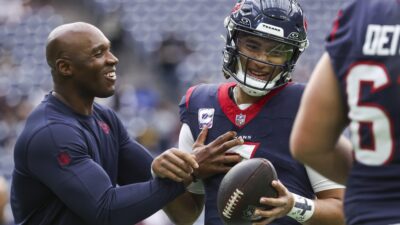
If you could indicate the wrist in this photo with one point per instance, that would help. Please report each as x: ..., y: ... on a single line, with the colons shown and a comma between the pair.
x: 303, y: 208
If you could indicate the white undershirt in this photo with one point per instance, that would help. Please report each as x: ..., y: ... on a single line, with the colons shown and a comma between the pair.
x: 318, y: 182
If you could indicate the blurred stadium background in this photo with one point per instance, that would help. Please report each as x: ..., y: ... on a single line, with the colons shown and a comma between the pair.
x: 164, y: 47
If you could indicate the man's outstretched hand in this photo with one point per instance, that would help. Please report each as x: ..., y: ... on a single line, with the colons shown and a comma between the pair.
x: 175, y: 164
x: 211, y: 158
x: 204, y: 161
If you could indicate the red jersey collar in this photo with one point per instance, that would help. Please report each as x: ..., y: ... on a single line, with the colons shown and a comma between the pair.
x: 237, y: 116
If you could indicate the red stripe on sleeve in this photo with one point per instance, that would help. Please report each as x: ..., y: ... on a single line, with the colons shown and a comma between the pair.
x: 336, y: 25
x: 188, y: 94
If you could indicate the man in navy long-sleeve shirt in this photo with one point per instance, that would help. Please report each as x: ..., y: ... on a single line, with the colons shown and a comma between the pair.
x: 74, y: 161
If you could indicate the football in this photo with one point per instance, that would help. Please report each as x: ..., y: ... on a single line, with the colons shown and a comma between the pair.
x: 241, y: 189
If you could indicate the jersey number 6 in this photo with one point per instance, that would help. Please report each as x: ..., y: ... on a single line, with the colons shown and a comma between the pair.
x: 371, y: 127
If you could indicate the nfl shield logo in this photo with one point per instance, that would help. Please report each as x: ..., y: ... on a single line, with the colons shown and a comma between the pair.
x: 240, y: 119
x: 206, y: 117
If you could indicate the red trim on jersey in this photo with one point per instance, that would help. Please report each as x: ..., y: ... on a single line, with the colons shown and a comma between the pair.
x: 368, y: 126
x: 335, y: 26
x: 231, y: 110
x: 188, y: 94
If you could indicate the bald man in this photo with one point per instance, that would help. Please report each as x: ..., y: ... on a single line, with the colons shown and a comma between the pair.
x: 74, y: 161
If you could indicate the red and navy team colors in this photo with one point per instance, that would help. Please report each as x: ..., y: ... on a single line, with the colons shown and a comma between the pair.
x: 365, y: 54
x: 265, y: 127
x: 72, y: 169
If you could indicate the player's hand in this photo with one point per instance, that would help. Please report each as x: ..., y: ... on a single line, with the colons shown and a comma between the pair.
x: 282, y: 204
x: 175, y: 164
x: 212, y: 158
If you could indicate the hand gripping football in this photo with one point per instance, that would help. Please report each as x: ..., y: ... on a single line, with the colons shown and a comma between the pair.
x: 241, y: 189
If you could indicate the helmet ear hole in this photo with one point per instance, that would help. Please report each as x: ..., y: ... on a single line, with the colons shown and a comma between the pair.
x: 229, y: 62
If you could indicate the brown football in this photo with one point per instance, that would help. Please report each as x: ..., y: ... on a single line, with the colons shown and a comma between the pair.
x: 241, y: 189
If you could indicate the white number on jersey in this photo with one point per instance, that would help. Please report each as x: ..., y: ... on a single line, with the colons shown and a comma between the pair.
x: 370, y: 116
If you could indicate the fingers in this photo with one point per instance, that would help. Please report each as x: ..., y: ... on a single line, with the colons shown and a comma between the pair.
x: 225, y: 142
x: 282, y: 190
x: 211, y: 157
x: 180, y: 160
x: 217, y: 164
x: 232, y: 143
x: 280, y: 201
x: 188, y: 158
x: 232, y: 159
x: 281, y: 204
x: 201, y: 138
x: 225, y: 159
x: 174, y: 164
x: 272, y: 213
x: 223, y: 138
x: 216, y: 147
x: 223, y: 163
x: 173, y: 176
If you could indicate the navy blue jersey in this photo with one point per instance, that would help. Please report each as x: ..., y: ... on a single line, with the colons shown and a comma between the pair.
x: 265, y: 125
x: 72, y: 169
x: 364, y: 50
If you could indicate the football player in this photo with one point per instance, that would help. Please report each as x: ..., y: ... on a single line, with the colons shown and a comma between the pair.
x: 356, y: 84
x: 264, y: 41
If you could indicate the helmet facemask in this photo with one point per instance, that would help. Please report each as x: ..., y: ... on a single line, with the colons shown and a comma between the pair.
x: 261, y: 65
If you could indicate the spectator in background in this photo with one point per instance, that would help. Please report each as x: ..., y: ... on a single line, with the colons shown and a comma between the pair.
x: 356, y: 84
x: 264, y: 40
x: 171, y: 53
x: 75, y: 155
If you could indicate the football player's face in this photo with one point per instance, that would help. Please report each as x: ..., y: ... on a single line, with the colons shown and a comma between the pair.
x: 94, y: 65
x: 262, y: 56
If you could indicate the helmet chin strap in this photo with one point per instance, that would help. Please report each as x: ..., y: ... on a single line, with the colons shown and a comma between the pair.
x: 251, y: 91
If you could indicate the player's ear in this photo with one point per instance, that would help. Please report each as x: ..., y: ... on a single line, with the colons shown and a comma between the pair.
x: 63, y: 67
